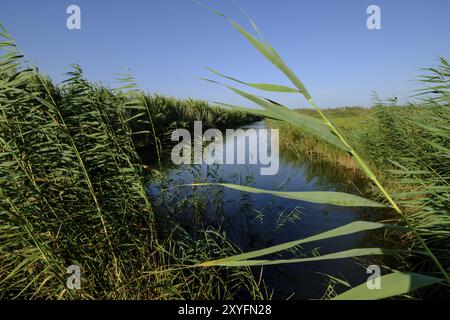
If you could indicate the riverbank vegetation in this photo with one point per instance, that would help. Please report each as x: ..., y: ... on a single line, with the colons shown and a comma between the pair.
x: 161, y: 115
x: 73, y: 188
x: 409, y: 149
x: 73, y: 192
x: 397, y: 131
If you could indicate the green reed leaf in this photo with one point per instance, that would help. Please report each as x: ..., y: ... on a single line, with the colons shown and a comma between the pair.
x: 392, y: 284
x: 347, y: 229
x: 332, y: 256
x: 270, y: 54
x: 277, y: 111
x: 323, y: 197
x: 261, y: 86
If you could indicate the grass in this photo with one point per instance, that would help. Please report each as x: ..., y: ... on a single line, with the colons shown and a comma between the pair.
x: 164, y: 114
x: 408, y: 147
x: 325, y: 129
x: 73, y: 193
x: 297, y: 143
x: 73, y: 188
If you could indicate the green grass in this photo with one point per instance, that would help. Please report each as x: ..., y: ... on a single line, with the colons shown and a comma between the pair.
x: 164, y: 114
x: 409, y: 149
x: 73, y: 193
x: 325, y: 129
x: 73, y: 187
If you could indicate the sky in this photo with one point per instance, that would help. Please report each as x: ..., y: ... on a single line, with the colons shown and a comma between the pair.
x: 165, y: 43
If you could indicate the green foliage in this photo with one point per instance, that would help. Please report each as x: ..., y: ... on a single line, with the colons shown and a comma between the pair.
x: 396, y: 283
x: 323, y: 128
x: 323, y: 197
x: 72, y: 186
x: 165, y: 114
x: 354, y: 227
x: 72, y: 192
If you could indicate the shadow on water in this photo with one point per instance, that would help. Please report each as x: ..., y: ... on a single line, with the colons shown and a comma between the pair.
x: 255, y: 221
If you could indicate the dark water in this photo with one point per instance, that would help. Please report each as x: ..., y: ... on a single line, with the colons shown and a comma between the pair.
x: 258, y: 221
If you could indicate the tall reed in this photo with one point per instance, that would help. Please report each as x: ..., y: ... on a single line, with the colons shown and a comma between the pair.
x: 394, y: 283
x: 73, y: 193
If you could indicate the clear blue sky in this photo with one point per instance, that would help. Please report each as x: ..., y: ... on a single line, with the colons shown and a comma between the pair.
x: 165, y: 43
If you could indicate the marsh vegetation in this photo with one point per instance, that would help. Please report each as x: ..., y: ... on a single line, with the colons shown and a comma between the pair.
x: 85, y: 181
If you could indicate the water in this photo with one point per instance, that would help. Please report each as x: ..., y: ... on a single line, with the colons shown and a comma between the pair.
x: 258, y: 221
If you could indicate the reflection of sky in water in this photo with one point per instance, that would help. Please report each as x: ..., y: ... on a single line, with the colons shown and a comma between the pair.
x: 250, y: 221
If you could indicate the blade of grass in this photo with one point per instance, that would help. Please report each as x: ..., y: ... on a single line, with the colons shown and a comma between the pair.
x: 358, y: 252
x: 322, y: 197
x: 393, y: 284
x: 347, y: 229
x: 307, y: 123
x: 261, y: 86
x: 270, y: 54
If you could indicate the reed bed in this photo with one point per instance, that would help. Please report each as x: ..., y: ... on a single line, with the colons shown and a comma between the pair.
x: 395, y: 282
x: 73, y: 189
x: 73, y: 192
x: 408, y: 147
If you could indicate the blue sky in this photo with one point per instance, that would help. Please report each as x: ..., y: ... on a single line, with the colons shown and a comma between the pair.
x: 165, y: 43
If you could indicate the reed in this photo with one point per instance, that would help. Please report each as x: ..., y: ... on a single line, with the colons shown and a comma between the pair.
x: 395, y: 283
x: 73, y: 187
x: 73, y: 193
